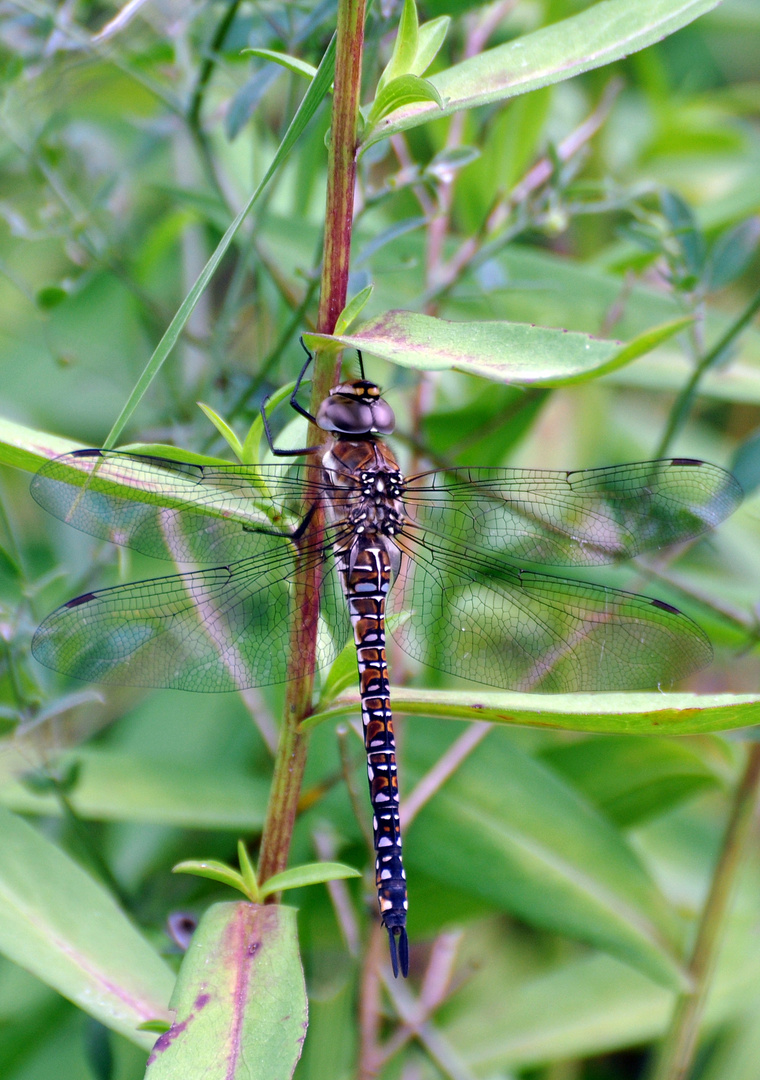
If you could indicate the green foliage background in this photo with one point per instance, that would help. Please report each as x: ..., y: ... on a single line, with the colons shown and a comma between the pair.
x: 609, y: 203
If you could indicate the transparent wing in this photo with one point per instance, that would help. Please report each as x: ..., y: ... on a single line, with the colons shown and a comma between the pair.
x: 173, y: 509
x: 581, y: 518
x: 522, y: 630
x: 219, y: 629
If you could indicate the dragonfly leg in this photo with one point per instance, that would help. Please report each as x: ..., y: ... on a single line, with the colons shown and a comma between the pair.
x: 294, y: 405
x: 295, y: 535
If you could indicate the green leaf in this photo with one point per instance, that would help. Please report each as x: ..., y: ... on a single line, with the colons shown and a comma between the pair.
x: 158, y: 1027
x: 630, y: 778
x: 240, y: 999
x: 602, y: 33
x: 248, y: 872
x: 25, y: 448
x: 307, y: 874
x: 215, y: 871
x: 291, y: 63
x: 404, y: 47
x: 627, y: 713
x: 686, y: 232
x: 318, y: 87
x: 119, y: 785
x: 746, y: 463
x: 503, y: 351
x: 51, y: 296
x: 341, y: 675
x: 430, y: 36
x: 586, y: 1007
x: 251, y: 451
x: 64, y: 927
x: 403, y: 90
x: 509, y: 830
x: 353, y: 309
x: 224, y: 430
x: 732, y: 253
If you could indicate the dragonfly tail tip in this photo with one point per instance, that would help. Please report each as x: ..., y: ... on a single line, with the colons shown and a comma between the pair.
x: 399, y: 950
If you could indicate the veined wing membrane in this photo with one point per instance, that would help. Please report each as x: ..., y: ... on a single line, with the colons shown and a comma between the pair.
x: 219, y: 629
x: 522, y: 630
x: 172, y: 509
x: 582, y: 518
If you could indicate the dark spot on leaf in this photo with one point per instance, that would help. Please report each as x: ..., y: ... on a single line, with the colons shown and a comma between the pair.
x: 202, y: 1000
x: 163, y: 1042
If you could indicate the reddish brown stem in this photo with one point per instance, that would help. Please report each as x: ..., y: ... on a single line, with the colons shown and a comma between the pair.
x: 291, y: 751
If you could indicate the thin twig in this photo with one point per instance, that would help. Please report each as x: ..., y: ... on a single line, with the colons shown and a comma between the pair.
x: 207, y: 68
x: 484, y: 244
x: 685, y: 400
x: 676, y: 1054
x: 325, y: 847
x: 343, y: 733
x: 417, y: 1023
x: 445, y: 767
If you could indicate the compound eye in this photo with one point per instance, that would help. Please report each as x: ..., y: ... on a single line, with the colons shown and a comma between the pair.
x: 345, y: 416
x: 383, y: 419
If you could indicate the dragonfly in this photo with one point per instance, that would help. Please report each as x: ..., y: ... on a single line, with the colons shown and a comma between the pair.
x: 449, y: 559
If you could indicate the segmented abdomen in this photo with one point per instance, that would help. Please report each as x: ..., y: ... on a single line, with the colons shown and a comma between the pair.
x: 366, y: 574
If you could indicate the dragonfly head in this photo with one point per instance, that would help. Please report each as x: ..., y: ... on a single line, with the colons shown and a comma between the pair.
x: 356, y: 408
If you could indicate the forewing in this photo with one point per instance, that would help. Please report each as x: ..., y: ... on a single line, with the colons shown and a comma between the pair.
x: 522, y: 630
x: 173, y: 509
x: 219, y: 629
x: 581, y: 518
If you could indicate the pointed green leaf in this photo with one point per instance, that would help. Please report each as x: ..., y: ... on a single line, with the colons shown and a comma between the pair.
x: 64, y: 927
x: 308, y: 874
x: 240, y: 1000
x: 341, y: 675
x: 252, y: 444
x: 353, y: 309
x: 430, y: 36
x: 224, y: 430
x: 402, y: 90
x: 732, y: 253
x: 248, y: 872
x: 503, y: 351
x: 291, y: 63
x: 214, y: 870
x: 404, y: 47
x: 600, y: 34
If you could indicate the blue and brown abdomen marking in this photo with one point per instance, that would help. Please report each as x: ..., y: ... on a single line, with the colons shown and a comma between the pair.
x: 367, y: 573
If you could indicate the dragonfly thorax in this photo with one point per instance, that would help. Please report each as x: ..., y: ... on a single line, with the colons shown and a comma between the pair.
x: 356, y: 408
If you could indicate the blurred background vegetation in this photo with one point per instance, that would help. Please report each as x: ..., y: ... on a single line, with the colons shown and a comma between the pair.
x: 608, y: 203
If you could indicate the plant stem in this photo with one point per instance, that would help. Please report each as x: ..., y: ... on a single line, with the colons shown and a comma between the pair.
x: 291, y: 752
x: 685, y: 399
x: 677, y: 1050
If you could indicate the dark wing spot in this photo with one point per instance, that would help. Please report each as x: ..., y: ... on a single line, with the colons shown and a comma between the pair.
x: 665, y: 607
x: 86, y: 453
x: 83, y: 599
x: 686, y: 461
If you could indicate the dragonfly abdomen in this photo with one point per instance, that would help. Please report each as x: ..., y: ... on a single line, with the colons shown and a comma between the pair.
x: 366, y: 571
